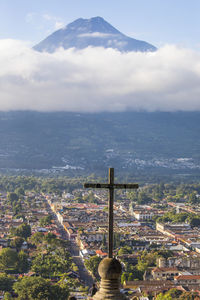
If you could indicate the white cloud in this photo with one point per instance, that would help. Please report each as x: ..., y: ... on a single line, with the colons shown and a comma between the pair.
x: 116, y: 43
x: 58, y: 25
x: 97, y: 79
x: 96, y: 35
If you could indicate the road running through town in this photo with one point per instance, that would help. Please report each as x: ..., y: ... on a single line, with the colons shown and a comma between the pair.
x: 85, y: 277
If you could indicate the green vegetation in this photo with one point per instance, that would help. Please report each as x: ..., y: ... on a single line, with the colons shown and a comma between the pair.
x: 16, y: 243
x: 170, y: 192
x: 8, y: 259
x: 177, y: 294
x: 51, y: 256
x: 38, y: 288
x: 146, y: 259
x: 46, y: 220
x: 23, y: 231
x: 189, y: 218
x: 50, y: 264
x: 17, y: 185
x: 49, y: 259
x: 11, y: 261
x: 92, y: 265
x: 141, y: 197
x: 6, y: 282
x: 12, y: 197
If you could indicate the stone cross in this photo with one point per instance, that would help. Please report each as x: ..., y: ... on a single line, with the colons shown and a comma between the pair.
x: 110, y: 186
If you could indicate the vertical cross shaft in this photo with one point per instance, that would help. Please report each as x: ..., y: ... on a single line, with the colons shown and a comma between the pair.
x: 110, y: 209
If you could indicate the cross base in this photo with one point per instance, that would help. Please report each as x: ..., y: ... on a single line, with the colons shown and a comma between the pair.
x: 110, y: 271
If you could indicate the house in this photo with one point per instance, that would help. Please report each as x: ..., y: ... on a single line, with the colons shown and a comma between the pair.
x: 100, y: 253
x: 164, y: 273
x: 187, y: 279
x: 86, y: 253
x: 150, y: 286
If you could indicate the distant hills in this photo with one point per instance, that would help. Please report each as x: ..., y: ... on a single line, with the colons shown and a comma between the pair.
x: 85, y: 143
x: 95, y: 32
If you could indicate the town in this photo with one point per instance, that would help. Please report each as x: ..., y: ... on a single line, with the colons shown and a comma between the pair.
x: 61, y: 237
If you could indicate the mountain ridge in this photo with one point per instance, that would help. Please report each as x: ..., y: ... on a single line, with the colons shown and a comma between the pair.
x: 94, y: 32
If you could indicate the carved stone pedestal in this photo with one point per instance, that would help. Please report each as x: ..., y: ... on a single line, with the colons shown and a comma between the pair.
x: 109, y: 270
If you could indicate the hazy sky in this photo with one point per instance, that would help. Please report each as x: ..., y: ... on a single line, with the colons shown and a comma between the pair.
x: 156, y: 21
x: 96, y: 79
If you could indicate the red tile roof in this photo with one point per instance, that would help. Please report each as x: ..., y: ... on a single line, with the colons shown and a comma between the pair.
x: 187, y: 277
x: 172, y: 269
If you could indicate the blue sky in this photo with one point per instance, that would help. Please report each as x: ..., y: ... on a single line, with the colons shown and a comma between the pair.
x: 156, y: 21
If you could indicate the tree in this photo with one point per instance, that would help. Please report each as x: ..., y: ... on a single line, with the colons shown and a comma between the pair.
x: 195, y: 221
x: 23, y: 230
x: 146, y: 260
x: 130, y: 277
x: 16, y: 207
x: 38, y: 288
x: 133, y: 195
x: 123, y: 278
x: 37, y: 238
x: 189, y: 296
x: 158, y: 191
x: 17, y: 243
x: 134, y: 274
x: 50, y: 264
x: 163, y: 297
x: 50, y: 238
x: 45, y: 220
x: 181, y: 217
x: 6, y: 283
x: 7, y: 296
x: 8, y: 259
x: 143, y: 198
x: 19, y: 191
x: 125, y: 250
x: 23, y: 264
x: 92, y: 264
x: 193, y: 198
x: 12, y: 197
x: 176, y: 294
x: 66, y: 281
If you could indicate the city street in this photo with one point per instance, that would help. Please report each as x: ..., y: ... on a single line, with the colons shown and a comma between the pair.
x: 85, y: 277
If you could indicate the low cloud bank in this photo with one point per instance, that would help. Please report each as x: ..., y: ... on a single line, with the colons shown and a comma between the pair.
x: 97, y: 79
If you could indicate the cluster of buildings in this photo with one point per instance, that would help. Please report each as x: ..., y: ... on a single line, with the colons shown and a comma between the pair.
x: 86, y: 223
x: 33, y: 209
x: 181, y: 271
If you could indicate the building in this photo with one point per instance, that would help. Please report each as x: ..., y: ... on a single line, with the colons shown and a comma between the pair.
x: 164, y: 273
x: 187, y: 279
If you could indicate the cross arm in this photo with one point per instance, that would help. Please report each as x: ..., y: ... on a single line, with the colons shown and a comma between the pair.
x: 97, y: 185
x: 126, y: 186
x: 108, y: 186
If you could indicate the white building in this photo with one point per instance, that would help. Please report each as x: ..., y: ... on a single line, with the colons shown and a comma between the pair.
x: 142, y: 215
